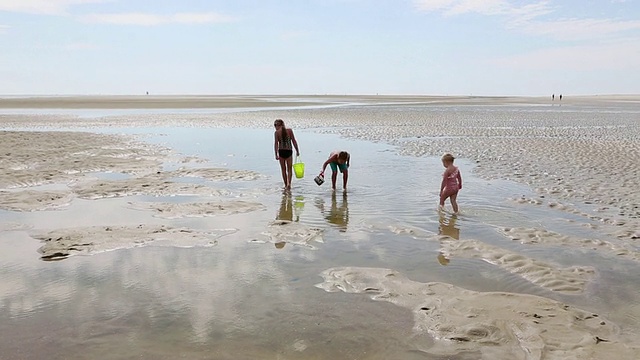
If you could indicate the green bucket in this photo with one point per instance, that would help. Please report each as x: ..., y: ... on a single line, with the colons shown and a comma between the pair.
x: 298, y: 168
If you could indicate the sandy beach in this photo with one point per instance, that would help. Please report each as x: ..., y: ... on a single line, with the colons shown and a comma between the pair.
x: 551, y: 217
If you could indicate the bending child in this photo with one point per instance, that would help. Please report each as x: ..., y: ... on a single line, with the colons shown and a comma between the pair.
x: 338, y: 160
x: 451, y: 182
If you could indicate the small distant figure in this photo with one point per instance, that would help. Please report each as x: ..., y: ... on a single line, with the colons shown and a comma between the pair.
x: 553, y: 97
x: 283, y: 139
x: 338, y: 160
x: 560, y: 97
x: 147, y: 93
x: 451, y: 182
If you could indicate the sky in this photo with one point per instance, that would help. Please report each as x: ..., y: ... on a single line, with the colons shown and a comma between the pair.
x: 305, y: 47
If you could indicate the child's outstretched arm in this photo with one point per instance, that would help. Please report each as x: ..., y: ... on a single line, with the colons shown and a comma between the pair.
x: 459, y: 181
x: 443, y: 184
x: 275, y: 144
x: 348, y: 160
x: 329, y: 160
x: 295, y: 143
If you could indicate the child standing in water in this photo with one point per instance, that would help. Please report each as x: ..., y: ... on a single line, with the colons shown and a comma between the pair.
x: 283, y: 139
x: 451, y: 182
x: 338, y: 160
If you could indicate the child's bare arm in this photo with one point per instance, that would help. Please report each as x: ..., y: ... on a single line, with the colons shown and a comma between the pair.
x: 329, y: 160
x: 295, y: 143
x: 459, y: 180
x: 275, y: 144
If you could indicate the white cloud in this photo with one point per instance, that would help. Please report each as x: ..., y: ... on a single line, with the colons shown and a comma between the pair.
x: 619, y: 55
x: 578, y: 29
x: 144, y: 19
x: 45, y: 7
x: 433, y: 5
x: 4, y: 28
x: 484, y: 7
x: 526, y: 18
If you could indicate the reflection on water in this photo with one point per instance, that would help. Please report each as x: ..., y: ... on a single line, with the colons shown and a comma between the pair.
x: 247, y: 300
x: 338, y: 213
x: 447, y: 227
x: 286, y: 207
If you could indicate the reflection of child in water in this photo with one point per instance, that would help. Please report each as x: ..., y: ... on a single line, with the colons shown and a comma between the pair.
x: 285, y: 213
x: 338, y: 214
x: 448, y: 228
x: 286, y: 208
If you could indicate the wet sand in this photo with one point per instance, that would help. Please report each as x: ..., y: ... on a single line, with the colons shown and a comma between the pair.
x: 563, y: 154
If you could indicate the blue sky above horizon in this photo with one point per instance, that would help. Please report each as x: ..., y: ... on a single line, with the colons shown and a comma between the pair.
x: 430, y: 47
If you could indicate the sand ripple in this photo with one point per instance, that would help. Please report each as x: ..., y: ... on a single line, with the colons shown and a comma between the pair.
x: 541, y: 236
x: 215, y: 174
x: 498, y: 325
x: 148, y: 185
x: 32, y: 158
x: 31, y: 200
x: 198, y: 209
x: 282, y: 232
x: 564, y: 280
x: 13, y: 226
x: 61, y: 243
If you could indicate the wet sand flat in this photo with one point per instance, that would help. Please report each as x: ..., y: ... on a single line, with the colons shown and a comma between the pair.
x: 192, y: 241
x: 246, y: 101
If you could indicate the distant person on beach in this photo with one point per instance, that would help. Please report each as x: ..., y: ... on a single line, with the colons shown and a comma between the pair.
x: 553, y: 97
x: 560, y: 97
x: 338, y: 160
x: 283, y: 141
x: 451, y: 182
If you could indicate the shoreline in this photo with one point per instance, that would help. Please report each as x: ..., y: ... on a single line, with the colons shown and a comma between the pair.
x: 258, y: 101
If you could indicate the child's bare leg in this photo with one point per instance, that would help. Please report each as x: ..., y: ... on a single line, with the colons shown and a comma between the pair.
x: 443, y: 197
x: 289, y: 174
x: 454, y: 202
x: 283, y: 170
x: 345, y: 177
x: 334, y: 176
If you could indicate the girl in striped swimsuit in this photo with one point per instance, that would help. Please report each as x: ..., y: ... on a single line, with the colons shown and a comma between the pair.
x: 284, y: 138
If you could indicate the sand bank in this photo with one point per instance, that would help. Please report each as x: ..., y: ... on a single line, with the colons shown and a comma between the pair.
x: 198, y: 209
x: 148, y: 102
x: 265, y: 101
x: 282, y: 232
x: 494, y: 325
x: 59, y: 244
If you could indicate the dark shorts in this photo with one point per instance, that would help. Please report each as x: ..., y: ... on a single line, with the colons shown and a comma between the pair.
x: 285, y: 154
x: 335, y: 166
